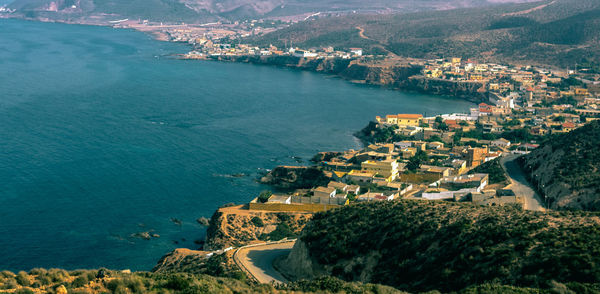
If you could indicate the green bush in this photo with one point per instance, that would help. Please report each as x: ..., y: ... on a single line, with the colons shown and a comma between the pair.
x: 23, y: 279
x: 263, y: 197
x: 257, y: 221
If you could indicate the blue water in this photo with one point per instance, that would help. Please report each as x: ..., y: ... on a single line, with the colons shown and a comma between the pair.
x: 102, y: 136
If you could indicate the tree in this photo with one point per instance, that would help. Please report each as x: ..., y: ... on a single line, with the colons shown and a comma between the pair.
x: 264, y: 196
x: 415, y: 162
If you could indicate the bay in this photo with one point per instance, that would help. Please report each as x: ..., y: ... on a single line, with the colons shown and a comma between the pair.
x: 102, y: 135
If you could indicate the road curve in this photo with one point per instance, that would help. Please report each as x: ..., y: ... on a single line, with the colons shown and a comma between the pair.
x: 520, y: 185
x: 258, y: 260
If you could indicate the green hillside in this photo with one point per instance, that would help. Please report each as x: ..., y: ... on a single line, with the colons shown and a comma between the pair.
x: 429, y: 245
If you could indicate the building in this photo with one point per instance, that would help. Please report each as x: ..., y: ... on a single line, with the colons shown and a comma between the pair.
x: 413, y: 120
x: 440, y: 171
x: 379, y: 196
x: 502, y: 143
x: 360, y: 177
x: 456, y: 186
x: 356, y: 51
x: 304, y: 54
x: 324, y: 192
x: 386, y: 168
x: 476, y: 156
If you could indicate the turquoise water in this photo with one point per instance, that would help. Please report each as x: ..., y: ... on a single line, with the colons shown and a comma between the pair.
x: 103, y: 136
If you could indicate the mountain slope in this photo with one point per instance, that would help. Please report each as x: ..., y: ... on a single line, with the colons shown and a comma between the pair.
x: 420, y: 246
x: 557, y: 32
x: 199, y: 10
x: 566, y: 169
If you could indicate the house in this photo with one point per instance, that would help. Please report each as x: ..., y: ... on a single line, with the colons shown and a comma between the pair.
x: 324, y: 192
x: 441, y: 171
x: 459, y: 165
x: 568, y: 126
x: 502, y: 143
x: 388, y: 169
x: 401, y: 119
x: 356, y: 51
x: 304, y: 54
x: 284, y: 199
x: 354, y: 189
x: 476, y: 156
x: 485, y: 109
x: 338, y: 186
x: 456, y: 186
x: 360, y: 177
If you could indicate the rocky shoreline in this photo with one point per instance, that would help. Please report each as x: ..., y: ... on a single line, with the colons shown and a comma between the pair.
x: 403, y: 76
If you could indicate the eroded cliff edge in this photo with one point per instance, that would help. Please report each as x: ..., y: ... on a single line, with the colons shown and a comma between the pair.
x: 403, y: 76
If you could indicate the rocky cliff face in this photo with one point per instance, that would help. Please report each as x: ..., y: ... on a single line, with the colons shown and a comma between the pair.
x: 404, y: 77
x: 471, y: 91
x: 235, y: 226
x: 566, y: 169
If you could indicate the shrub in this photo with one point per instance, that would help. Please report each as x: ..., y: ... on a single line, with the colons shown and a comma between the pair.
x: 80, y: 281
x: 264, y: 196
x: 257, y: 221
x: 23, y: 279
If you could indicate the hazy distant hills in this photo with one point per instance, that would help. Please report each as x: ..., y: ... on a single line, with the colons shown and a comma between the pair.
x: 200, y: 10
x: 560, y: 32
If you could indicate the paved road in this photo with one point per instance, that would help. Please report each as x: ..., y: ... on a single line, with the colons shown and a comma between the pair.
x: 520, y: 185
x: 258, y: 261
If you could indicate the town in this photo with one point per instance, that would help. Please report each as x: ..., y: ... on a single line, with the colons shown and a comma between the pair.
x: 451, y: 157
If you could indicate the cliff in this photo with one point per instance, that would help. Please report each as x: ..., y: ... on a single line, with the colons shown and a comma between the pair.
x: 236, y: 226
x: 566, y: 169
x: 403, y: 76
x: 295, y: 177
x: 429, y: 245
x: 468, y: 90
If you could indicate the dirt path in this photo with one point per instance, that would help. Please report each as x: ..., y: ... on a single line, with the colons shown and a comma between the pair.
x: 361, y: 34
x: 529, y: 10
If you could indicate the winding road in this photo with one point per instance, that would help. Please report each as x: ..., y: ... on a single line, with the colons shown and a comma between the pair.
x: 257, y: 260
x: 519, y: 183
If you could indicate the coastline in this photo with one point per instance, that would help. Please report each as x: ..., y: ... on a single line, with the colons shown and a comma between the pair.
x: 398, y: 74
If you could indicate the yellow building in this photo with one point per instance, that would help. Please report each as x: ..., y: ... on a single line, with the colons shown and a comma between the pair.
x: 413, y: 120
x: 581, y: 92
x: 386, y: 168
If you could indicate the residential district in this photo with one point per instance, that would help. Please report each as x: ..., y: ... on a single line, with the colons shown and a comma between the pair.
x: 450, y: 157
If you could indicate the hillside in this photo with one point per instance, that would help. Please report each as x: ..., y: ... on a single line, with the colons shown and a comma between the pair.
x: 421, y: 246
x: 566, y: 169
x: 557, y: 32
x: 204, y: 10
x: 237, y: 226
x: 107, y: 281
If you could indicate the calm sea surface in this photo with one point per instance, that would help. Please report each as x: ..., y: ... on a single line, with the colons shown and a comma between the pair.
x: 103, y: 136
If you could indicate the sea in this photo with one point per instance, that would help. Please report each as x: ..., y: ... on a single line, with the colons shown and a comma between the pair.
x: 103, y: 134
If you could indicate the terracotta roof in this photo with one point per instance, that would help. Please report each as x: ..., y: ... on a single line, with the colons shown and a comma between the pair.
x: 568, y: 125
